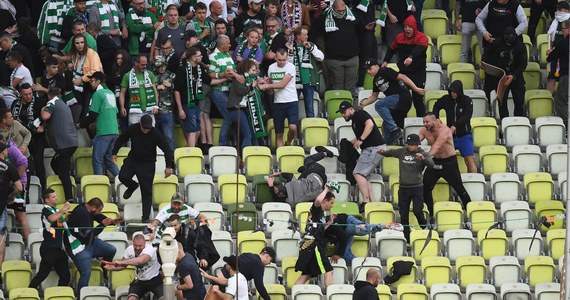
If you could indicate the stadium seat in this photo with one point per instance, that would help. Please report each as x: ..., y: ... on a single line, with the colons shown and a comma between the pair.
x: 458, y: 243
x: 270, y: 274
x: 475, y: 185
x: 96, y: 278
x: 24, y: 294
x: 484, y: 131
x: 213, y: 212
x: 516, y: 131
x: 339, y: 291
x: 122, y: 292
x: 35, y: 240
x: 35, y: 190
x: 59, y: 293
x: 344, y: 193
x: 434, y: 22
x: 250, y: 242
x: 431, y: 96
x: 330, y: 163
x: 384, y: 292
x: 361, y: 265
x: 445, y: 291
x: 480, y: 291
x: 257, y: 160
x: 333, y: 98
x: 528, y: 45
x: 555, y: 240
x: 94, y: 293
x: 96, y: 186
x: 448, y: 47
x: 15, y: 246
x: 260, y: 189
x: 493, y: 159
x: 521, y: 243
x: 515, y: 215
x: 315, y: 132
x: 163, y: 189
x: 434, y: 76
x: 272, y: 134
x: 340, y: 272
x: 470, y: 269
x: 121, y: 155
x: 232, y: 188
x: 54, y: 183
x: 505, y: 187
x: 343, y: 129
x: 481, y: 214
x: 242, y: 216
x: 349, y: 208
x: 480, y: 102
x: 492, y: 242
x: 532, y: 76
x: 278, y: 213
x: 198, y: 188
x: 556, y: 156
x: 16, y: 274
x: 549, y: 130
x: 189, y: 160
x: 276, y: 291
x: 119, y: 278
x: 34, y: 216
x: 390, y: 165
x: 316, y: 105
x: 302, y: 214
x: 538, y: 103
x: 551, y: 210
x: 223, y: 160
x: 48, y: 155
x: 539, y: 269
x: 120, y: 189
x: 288, y: 271
x: 412, y: 291
x: 515, y: 290
x: 82, y: 161
x: 414, y: 125
x: 290, y: 158
x: 542, y: 46
x: 464, y: 72
x: 526, y: 159
x: 223, y: 242
x: 110, y: 210
x: 448, y: 215
x: 405, y: 279
x: 504, y: 269
x: 306, y: 292
x: 562, y: 188
x: 538, y: 186
x: 547, y: 291
x: 435, y: 269
x: 394, y: 184
x: 160, y: 162
x: 118, y: 239
x: 379, y: 213
x: 132, y: 212
x: 390, y: 243
x: 286, y: 243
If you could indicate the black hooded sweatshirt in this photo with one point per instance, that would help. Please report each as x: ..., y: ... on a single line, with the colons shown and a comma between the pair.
x: 364, y: 291
x: 458, y: 112
x: 512, y: 59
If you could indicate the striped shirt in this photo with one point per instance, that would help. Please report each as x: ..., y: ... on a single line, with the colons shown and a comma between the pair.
x: 186, y: 213
x: 219, y: 62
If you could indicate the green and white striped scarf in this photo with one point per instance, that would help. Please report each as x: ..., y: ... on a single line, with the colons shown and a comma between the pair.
x: 384, y: 11
x: 76, y: 246
x: 51, y: 19
x: 330, y: 23
x: 136, y: 102
x: 105, y: 21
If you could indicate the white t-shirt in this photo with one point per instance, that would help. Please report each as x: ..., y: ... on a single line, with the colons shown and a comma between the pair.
x: 23, y: 73
x: 289, y: 92
x: 235, y: 282
x: 149, y: 270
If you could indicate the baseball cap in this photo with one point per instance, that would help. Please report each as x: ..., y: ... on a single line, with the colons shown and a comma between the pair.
x: 344, y: 106
x: 413, y: 139
x: 98, y: 75
x: 563, y: 5
x: 231, y: 260
x: 254, y: 1
x: 146, y: 122
x: 369, y: 63
x: 270, y: 251
x: 177, y: 197
x: 190, y: 34
x: 3, y: 146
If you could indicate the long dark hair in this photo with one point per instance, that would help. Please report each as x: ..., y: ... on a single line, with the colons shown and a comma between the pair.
x: 244, y: 66
x: 125, y: 67
x: 73, y: 50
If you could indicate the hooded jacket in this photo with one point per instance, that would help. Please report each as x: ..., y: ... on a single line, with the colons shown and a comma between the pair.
x: 364, y: 290
x: 414, y: 47
x: 458, y: 112
x: 512, y: 59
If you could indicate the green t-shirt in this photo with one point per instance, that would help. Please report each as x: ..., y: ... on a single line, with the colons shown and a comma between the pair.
x: 91, y: 43
x: 142, y: 91
x: 104, y: 104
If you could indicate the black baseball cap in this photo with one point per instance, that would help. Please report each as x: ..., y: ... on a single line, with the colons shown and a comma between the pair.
x: 98, y: 75
x: 413, y: 139
x: 344, y: 106
x: 370, y: 62
x: 231, y: 261
x: 146, y: 122
x: 563, y: 5
x: 270, y: 251
x: 189, y: 34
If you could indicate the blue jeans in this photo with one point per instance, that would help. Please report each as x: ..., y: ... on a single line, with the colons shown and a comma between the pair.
x: 165, y: 124
x: 244, y: 128
x: 102, y: 153
x: 308, y: 97
x: 356, y: 227
x: 220, y: 99
x: 82, y: 260
x: 383, y: 107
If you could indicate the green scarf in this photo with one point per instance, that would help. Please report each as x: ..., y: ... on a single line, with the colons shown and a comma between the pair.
x: 105, y: 21
x: 135, y: 100
x: 76, y: 246
x: 331, y: 14
x: 384, y: 11
x: 195, y: 93
x: 198, y: 29
x: 255, y: 108
x: 51, y: 18
x: 241, y: 50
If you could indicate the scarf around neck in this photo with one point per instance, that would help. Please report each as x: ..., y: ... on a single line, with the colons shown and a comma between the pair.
x: 135, y: 100
x: 195, y: 92
x: 290, y: 20
x: 331, y: 15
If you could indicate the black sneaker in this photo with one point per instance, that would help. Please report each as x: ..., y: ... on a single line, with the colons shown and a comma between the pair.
x: 325, y: 150
x: 129, y: 192
x: 361, y: 207
x: 395, y: 136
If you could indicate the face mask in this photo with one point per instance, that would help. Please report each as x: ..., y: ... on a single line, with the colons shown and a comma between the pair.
x: 509, y: 39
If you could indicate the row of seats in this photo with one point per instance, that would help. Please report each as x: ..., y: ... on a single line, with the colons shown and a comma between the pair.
x: 67, y: 293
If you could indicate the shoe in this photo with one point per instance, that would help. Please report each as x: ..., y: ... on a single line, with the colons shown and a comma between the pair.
x: 395, y: 136
x: 129, y: 192
x: 325, y: 150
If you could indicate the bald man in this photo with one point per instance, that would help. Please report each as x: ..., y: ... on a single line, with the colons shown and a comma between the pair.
x: 366, y: 290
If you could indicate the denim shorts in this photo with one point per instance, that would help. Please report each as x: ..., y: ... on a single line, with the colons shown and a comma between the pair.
x: 464, y: 144
x: 282, y: 111
x: 192, y: 121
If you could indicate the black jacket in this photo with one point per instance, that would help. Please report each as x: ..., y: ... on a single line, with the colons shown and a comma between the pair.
x: 364, y: 291
x: 512, y: 59
x: 458, y: 112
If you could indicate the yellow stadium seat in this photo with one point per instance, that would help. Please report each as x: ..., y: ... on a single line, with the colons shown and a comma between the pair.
x: 179, y: 138
x: 557, y: 157
x: 484, y: 131
x: 257, y: 160
x: 275, y: 291
x: 539, y: 186
x: 96, y: 186
x: 448, y: 48
x: 492, y: 242
x: 434, y: 22
x: 163, y: 188
x: 493, y: 159
x: 465, y: 72
x: 481, y: 214
x: 394, y: 183
x: 539, y: 269
x: 83, y: 162
x: 412, y: 291
x: 111, y: 210
x: 384, y: 292
x: 470, y: 269
x: 96, y: 278
x: 54, y: 183
x: 555, y: 240
x: 405, y: 279
x: 59, y: 293
x: 333, y: 98
x: 288, y: 271
x: 553, y: 211
x: 302, y: 214
x: 432, y: 96
x: 542, y: 45
x: 532, y: 76
x: 528, y: 45
x: 121, y: 155
x: 360, y: 246
x: 436, y: 269
x: 315, y: 132
x: 549, y: 130
x: 417, y: 242
x: 290, y: 158
x: 16, y: 274
x: 223, y: 160
x: 250, y: 242
x: 476, y: 51
x: 227, y: 185
x: 441, y: 192
x: 538, y: 103
x: 379, y: 213
x: 271, y: 130
x: 189, y: 160
x: 24, y: 294
x: 448, y: 215
x: 516, y: 131
x: 121, y: 277
x: 390, y: 165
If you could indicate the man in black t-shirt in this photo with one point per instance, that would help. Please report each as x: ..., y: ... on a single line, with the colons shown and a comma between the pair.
x: 10, y: 186
x: 191, y: 284
x: 394, y: 107
x: 51, y: 251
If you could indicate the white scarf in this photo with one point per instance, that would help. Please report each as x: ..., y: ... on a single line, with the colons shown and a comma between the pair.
x: 331, y: 14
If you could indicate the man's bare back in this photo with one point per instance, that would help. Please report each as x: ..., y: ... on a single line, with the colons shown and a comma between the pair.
x: 439, y: 137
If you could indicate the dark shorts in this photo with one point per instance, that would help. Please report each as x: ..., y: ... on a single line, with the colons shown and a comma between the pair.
x: 282, y: 111
x: 192, y: 121
x: 552, y: 73
x: 313, y: 261
x: 464, y: 144
x: 140, y: 288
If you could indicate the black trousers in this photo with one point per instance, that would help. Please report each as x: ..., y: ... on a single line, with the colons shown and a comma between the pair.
x: 145, y: 175
x: 61, y: 165
x: 517, y: 88
x: 447, y: 169
x: 535, y: 14
x: 407, y: 195
x: 419, y: 79
x: 52, y: 258
x: 37, y: 147
x: 142, y: 287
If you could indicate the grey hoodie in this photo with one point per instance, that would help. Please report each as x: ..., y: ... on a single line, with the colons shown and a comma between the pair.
x: 411, y: 168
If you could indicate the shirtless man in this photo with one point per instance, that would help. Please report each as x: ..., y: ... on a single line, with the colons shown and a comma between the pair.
x: 440, y: 138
